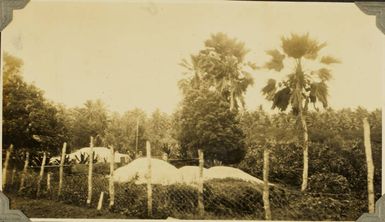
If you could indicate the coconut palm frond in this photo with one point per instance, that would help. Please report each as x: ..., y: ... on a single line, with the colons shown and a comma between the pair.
x: 313, y: 48
x: 324, y: 74
x: 276, y: 62
x: 252, y: 65
x: 295, y: 46
x: 246, y: 81
x: 298, y: 46
x: 185, y: 64
x: 281, y: 99
x: 319, y: 91
x: 270, y: 89
x: 327, y: 60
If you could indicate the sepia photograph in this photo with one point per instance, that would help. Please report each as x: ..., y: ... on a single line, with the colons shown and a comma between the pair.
x: 207, y: 110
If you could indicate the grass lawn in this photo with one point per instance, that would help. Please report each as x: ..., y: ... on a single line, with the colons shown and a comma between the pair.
x: 51, y: 209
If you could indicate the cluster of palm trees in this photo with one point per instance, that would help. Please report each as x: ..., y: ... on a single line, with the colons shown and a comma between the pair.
x: 222, y: 66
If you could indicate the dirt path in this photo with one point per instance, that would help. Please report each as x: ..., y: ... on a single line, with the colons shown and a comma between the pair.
x: 51, y: 209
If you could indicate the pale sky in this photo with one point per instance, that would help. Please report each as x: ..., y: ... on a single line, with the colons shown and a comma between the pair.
x: 127, y: 54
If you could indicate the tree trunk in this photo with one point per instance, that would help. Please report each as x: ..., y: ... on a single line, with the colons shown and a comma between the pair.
x: 370, y: 165
x: 266, y: 168
x: 305, y: 147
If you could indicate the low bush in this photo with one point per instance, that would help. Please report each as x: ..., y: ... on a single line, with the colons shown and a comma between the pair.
x: 223, y: 198
x: 329, y: 183
x: 131, y: 199
x: 308, y: 207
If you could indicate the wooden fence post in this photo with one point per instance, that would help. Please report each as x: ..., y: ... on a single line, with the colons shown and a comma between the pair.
x: 5, y: 169
x: 26, y: 161
x: 111, y: 184
x: 90, y: 166
x: 13, y: 176
x: 265, y: 195
x: 201, y: 208
x: 100, y: 203
x: 370, y: 165
x: 63, y: 153
x: 149, y: 187
x: 165, y: 157
x: 49, y: 181
x: 41, y: 174
x: 122, y: 160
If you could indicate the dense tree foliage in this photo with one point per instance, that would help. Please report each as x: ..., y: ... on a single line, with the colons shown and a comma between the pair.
x: 90, y: 120
x: 123, y: 131
x: 336, y: 150
x: 29, y: 120
x: 159, y: 133
x: 207, y: 123
x: 221, y: 65
x: 213, y: 91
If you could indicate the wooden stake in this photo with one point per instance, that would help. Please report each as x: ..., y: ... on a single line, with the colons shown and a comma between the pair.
x: 13, y: 176
x: 5, y: 169
x: 137, y: 137
x: 111, y: 184
x: 165, y: 157
x: 41, y: 174
x: 49, y: 181
x: 100, y: 203
x: 63, y: 153
x: 265, y: 196
x: 149, y: 187
x: 370, y: 165
x: 91, y: 159
x: 201, y: 208
x: 26, y: 161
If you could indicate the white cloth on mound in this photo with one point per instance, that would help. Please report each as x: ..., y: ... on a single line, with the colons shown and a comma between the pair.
x: 222, y: 172
x: 161, y: 172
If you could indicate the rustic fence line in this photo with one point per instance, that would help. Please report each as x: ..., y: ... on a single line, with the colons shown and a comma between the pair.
x: 200, y: 200
x: 200, y: 206
x: 90, y: 168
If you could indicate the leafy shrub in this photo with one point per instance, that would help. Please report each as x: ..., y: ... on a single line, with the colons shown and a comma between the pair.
x: 285, y: 164
x: 329, y: 183
x: 75, y: 189
x: 232, y: 197
x: 307, y: 207
x: 79, y: 169
x: 101, y: 168
x: 131, y: 199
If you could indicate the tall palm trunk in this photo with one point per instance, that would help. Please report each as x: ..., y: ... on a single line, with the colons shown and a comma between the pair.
x: 265, y: 195
x: 301, y: 115
x: 305, y: 146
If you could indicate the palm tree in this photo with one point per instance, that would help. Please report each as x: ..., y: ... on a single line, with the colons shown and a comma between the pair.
x: 221, y: 65
x: 301, y: 86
